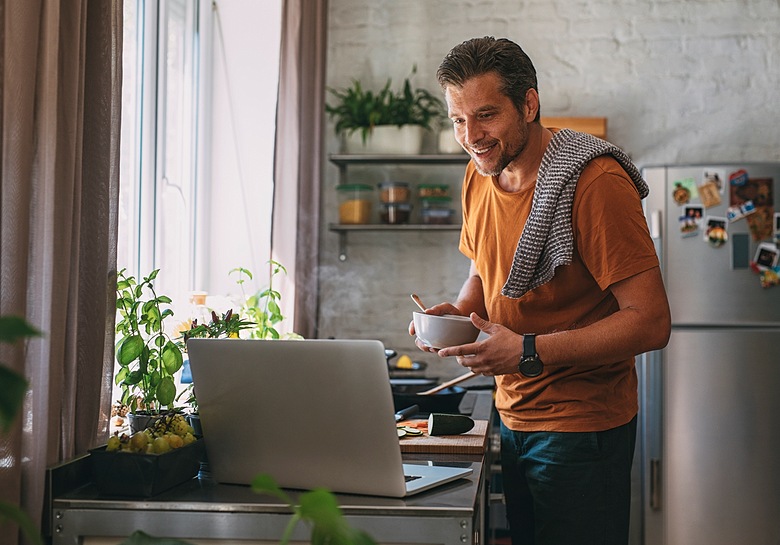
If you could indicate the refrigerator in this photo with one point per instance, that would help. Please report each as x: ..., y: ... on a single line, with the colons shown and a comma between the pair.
x: 707, y: 466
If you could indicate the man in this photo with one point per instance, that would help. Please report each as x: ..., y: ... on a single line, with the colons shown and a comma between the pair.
x: 565, y: 283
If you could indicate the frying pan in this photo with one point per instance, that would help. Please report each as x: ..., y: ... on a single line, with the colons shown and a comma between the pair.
x: 444, y: 401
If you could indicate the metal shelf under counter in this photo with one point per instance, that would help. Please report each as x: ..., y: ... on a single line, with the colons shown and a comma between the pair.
x: 202, y: 510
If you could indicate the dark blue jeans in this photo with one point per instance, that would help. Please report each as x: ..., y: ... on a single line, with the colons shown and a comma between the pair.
x: 568, y: 488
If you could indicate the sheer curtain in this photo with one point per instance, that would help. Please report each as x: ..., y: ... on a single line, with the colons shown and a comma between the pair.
x: 60, y: 74
x: 297, y: 168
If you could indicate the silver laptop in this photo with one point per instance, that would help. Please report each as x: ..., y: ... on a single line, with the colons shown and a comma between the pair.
x: 310, y: 413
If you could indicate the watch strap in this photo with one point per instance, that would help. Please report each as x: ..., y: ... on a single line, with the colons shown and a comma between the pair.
x: 529, y: 345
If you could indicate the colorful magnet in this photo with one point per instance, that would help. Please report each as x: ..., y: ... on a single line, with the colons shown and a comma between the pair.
x: 684, y: 190
x: 737, y: 212
x: 766, y: 256
x: 716, y: 177
x: 710, y: 196
x: 715, y: 231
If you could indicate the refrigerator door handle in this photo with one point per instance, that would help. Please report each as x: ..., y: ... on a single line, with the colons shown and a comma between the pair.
x: 655, y: 225
x: 655, y: 484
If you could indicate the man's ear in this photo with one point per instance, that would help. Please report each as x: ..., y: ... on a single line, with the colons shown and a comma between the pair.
x: 531, y: 105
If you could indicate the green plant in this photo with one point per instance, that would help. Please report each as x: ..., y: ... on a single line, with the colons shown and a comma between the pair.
x: 360, y: 109
x: 12, y: 390
x: 228, y: 325
x: 262, y: 308
x: 147, y: 355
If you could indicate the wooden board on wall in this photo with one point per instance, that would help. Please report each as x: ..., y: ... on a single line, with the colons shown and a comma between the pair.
x: 597, y: 126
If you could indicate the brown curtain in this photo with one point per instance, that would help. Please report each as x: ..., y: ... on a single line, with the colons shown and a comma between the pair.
x: 60, y: 78
x: 297, y: 166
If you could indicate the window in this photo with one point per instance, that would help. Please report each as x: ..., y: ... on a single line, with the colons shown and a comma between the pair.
x: 199, y: 92
x: 198, y: 124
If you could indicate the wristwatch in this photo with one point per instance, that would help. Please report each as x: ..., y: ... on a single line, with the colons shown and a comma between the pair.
x: 530, y: 364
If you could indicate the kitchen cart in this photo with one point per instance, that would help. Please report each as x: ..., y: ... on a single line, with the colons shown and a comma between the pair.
x: 202, y: 510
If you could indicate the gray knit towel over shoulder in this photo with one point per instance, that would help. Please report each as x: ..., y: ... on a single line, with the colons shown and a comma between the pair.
x: 547, y: 240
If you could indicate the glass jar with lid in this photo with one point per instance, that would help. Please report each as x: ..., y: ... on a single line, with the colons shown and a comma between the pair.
x: 394, y: 192
x: 355, y: 203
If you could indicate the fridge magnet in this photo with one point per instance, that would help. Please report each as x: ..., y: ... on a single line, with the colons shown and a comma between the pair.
x: 759, y: 192
x: 777, y: 228
x: 770, y: 277
x: 738, y: 178
x: 766, y: 256
x: 710, y: 196
x: 715, y: 232
x: 739, y: 211
x: 684, y: 190
x: 689, y: 226
x: 716, y: 177
x: 691, y: 219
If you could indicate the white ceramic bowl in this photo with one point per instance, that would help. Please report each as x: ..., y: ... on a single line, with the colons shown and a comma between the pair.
x: 444, y: 331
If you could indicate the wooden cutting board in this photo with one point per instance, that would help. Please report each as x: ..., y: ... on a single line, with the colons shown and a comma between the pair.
x: 472, y: 442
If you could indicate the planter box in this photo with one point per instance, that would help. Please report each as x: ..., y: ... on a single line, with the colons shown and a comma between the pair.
x: 387, y: 140
x: 144, y: 475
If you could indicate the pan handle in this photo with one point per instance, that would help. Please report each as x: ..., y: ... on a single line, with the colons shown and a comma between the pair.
x: 445, y: 385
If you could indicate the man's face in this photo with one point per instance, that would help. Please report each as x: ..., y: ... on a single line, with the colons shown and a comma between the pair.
x: 486, y: 123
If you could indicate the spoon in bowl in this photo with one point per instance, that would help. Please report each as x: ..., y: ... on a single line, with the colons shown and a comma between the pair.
x: 418, y: 302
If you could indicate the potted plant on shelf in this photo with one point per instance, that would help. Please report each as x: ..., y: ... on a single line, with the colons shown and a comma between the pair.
x: 385, y: 121
x: 147, y: 355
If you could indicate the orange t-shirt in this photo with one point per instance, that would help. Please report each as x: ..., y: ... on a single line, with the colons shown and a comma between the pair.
x: 611, y: 243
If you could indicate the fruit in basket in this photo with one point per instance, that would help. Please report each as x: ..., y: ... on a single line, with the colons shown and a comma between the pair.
x: 169, y: 432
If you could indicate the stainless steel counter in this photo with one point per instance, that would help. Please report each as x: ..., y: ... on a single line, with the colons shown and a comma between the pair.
x: 202, y: 509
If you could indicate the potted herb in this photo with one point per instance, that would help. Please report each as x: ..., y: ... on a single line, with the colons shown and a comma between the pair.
x: 262, y: 308
x: 147, y: 356
x: 363, y: 116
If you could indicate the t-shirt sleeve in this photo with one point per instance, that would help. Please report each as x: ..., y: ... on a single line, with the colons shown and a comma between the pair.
x: 611, y: 233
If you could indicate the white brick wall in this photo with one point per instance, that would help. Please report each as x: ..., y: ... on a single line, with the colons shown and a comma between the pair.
x: 679, y: 81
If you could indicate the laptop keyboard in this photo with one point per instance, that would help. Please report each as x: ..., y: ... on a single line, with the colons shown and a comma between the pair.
x: 408, y: 478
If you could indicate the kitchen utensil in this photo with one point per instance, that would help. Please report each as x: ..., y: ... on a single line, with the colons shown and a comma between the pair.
x: 445, y: 385
x: 407, y: 412
x: 443, y: 331
x: 412, y: 385
x: 418, y: 302
x: 444, y: 401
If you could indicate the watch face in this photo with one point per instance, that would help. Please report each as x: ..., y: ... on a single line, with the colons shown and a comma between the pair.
x: 531, y: 367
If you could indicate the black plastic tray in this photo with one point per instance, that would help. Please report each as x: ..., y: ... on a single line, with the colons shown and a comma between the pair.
x: 144, y: 475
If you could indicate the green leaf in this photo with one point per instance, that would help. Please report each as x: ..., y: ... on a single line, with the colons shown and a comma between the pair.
x: 13, y: 328
x: 166, y: 391
x: 14, y: 513
x: 320, y: 506
x: 13, y: 387
x: 172, y: 358
x: 265, y: 484
x: 121, y: 375
x: 134, y: 377
x: 130, y: 350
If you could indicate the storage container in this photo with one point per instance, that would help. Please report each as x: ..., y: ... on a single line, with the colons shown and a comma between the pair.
x: 437, y: 216
x: 394, y: 192
x: 433, y: 190
x: 395, y: 213
x: 441, y: 203
x: 355, y: 203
